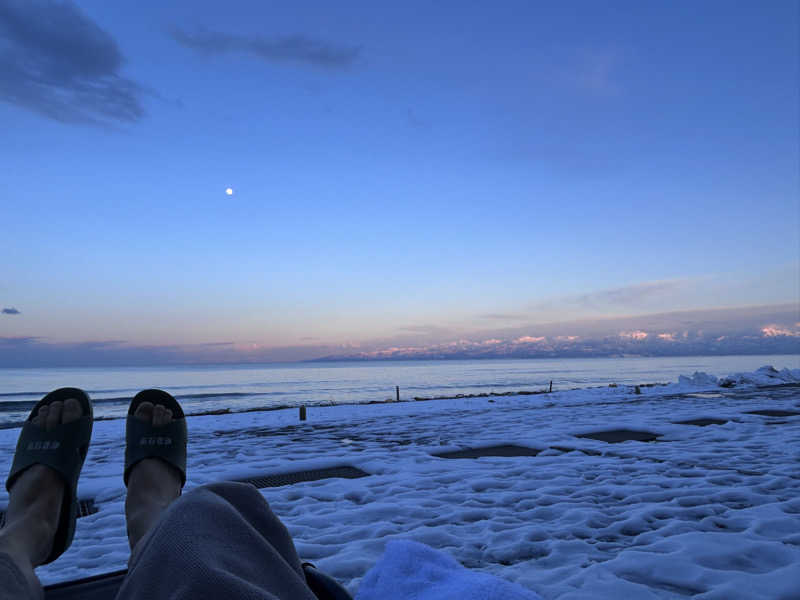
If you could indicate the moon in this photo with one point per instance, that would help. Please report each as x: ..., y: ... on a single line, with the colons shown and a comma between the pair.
x: 229, y: 191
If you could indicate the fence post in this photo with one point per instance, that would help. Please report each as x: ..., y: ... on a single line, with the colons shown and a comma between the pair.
x: 302, y: 412
x: 551, y: 385
x: 397, y: 393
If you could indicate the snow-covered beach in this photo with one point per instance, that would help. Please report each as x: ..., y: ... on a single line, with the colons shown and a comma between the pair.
x: 705, y: 512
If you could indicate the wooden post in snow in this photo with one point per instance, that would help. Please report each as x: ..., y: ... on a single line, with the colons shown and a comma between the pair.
x: 397, y: 393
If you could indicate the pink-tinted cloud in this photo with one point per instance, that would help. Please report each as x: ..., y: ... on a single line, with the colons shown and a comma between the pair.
x: 776, y: 330
x: 633, y: 335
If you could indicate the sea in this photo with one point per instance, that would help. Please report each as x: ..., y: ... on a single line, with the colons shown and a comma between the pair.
x: 234, y: 388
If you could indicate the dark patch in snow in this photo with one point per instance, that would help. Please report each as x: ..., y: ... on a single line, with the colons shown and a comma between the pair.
x: 507, y: 450
x: 263, y: 481
x: 586, y: 451
x: 773, y: 413
x: 615, y: 436
x: 661, y: 585
x: 702, y: 422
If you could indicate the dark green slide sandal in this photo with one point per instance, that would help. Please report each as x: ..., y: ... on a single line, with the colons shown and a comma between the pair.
x: 63, y: 449
x: 143, y: 440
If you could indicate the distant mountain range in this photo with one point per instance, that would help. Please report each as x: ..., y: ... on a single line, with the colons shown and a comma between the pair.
x: 634, y: 343
x: 748, y: 330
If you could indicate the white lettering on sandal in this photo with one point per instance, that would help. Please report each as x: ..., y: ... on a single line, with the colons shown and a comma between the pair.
x: 44, y: 445
x: 155, y: 441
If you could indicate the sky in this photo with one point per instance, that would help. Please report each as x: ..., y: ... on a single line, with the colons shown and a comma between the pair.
x: 410, y: 174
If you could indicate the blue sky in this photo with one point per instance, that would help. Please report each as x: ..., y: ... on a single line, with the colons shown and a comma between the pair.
x: 452, y: 167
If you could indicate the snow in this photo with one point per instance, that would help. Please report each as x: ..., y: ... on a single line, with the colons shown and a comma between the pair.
x: 709, y: 512
x: 764, y: 376
x: 409, y: 569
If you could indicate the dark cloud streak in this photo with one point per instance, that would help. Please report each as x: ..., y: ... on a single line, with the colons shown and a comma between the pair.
x: 504, y: 317
x: 11, y: 311
x: 57, y: 62
x: 629, y: 296
x: 293, y: 48
x: 39, y: 352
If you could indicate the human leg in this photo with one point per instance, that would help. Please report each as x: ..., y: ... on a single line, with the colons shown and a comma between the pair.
x: 153, y: 484
x: 34, y: 511
x: 217, y: 540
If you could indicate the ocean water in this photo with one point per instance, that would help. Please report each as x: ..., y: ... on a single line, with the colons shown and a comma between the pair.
x: 242, y: 387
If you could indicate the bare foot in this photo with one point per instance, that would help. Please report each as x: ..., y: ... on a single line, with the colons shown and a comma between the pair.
x: 34, y: 504
x: 152, y: 484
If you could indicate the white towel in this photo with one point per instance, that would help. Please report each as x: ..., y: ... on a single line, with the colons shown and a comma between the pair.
x: 413, y: 571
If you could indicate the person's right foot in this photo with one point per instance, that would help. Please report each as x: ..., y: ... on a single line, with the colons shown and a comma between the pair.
x: 153, y: 484
x: 34, y: 503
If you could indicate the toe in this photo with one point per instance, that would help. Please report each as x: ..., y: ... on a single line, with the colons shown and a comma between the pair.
x: 54, y: 415
x: 144, y: 412
x: 72, y: 410
x: 41, y: 416
x: 159, y: 415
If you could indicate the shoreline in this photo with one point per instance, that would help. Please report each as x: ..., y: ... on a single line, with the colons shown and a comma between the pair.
x: 229, y: 411
x: 635, y: 389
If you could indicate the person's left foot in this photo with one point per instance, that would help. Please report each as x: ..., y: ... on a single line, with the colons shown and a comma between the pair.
x: 35, y: 498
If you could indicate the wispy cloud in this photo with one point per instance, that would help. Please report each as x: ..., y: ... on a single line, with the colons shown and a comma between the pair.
x: 504, y: 317
x: 36, y: 351
x: 17, y: 341
x: 425, y: 329
x: 10, y: 311
x: 628, y: 297
x: 57, y: 62
x: 292, y: 48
